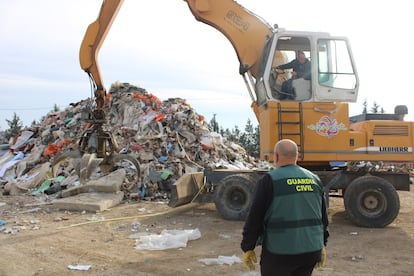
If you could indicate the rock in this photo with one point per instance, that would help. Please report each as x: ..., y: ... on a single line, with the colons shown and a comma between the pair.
x: 110, y: 183
x: 89, y: 202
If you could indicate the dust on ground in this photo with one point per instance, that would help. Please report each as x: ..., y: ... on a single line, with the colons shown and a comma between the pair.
x: 39, y: 240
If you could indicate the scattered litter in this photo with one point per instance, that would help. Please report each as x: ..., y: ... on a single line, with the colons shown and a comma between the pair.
x: 357, y: 258
x: 10, y: 230
x: 135, y: 226
x: 95, y: 218
x: 228, y: 260
x: 168, y: 239
x: 2, y: 222
x: 225, y: 236
x: 60, y: 218
x: 353, y: 233
x: 79, y: 267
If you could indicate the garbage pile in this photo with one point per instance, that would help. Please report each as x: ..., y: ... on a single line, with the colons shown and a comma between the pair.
x: 168, y: 138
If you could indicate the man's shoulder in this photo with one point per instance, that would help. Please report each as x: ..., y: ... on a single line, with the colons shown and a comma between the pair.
x: 281, y: 171
x: 304, y: 170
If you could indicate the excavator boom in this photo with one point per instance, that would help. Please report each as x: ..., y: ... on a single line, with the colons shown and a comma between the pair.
x: 246, y: 31
x: 92, y: 42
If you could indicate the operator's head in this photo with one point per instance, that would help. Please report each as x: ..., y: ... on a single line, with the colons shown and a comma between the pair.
x: 301, y: 57
x: 285, y: 153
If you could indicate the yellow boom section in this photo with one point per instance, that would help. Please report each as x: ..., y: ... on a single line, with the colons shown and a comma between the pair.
x: 92, y: 42
x: 246, y: 31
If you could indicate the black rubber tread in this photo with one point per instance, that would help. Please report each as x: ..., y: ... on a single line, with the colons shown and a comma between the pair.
x: 234, y: 196
x: 377, y: 191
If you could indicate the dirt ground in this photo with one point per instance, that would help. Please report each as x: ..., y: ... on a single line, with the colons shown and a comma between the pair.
x: 38, y: 240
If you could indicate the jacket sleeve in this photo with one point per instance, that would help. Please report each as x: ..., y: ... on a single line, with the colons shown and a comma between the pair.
x: 325, y: 221
x: 307, y: 73
x: 288, y: 65
x: 253, y: 227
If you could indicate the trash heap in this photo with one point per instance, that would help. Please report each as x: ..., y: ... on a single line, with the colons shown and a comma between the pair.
x: 168, y: 138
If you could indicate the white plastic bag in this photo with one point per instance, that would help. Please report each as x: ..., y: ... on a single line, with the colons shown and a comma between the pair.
x: 228, y: 260
x: 168, y: 239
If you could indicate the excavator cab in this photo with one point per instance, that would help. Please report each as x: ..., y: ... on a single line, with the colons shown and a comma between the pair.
x: 333, y: 74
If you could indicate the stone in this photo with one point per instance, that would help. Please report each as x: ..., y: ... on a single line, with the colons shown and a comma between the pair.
x: 89, y: 202
x: 110, y: 183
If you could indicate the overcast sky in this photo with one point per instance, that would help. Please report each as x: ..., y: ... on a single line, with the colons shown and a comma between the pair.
x: 158, y: 45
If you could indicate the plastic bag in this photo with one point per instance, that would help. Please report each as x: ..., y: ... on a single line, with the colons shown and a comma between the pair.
x: 229, y: 260
x: 168, y: 239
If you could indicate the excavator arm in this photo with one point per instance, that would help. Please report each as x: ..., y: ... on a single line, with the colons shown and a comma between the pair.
x: 92, y: 42
x: 246, y: 31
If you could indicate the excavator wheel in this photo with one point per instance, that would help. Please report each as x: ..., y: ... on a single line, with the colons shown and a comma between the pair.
x: 234, y: 196
x: 371, y: 201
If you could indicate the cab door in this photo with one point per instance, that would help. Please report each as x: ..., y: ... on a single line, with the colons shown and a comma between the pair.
x: 337, y: 79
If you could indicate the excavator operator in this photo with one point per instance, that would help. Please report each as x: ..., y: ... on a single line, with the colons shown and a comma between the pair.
x: 301, y: 69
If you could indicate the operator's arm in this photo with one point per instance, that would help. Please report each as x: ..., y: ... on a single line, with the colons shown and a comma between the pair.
x: 288, y: 65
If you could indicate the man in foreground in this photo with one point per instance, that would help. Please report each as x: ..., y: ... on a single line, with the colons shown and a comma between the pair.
x: 288, y: 217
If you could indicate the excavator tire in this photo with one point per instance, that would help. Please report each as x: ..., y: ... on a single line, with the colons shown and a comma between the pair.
x: 371, y: 202
x: 234, y: 196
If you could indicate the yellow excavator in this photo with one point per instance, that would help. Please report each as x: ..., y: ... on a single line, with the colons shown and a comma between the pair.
x: 313, y: 113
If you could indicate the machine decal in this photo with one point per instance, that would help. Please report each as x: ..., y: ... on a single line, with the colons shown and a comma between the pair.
x: 394, y: 149
x: 237, y: 21
x: 384, y: 150
x: 327, y: 126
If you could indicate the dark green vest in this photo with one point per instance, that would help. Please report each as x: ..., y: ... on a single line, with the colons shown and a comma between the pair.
x: 293, y: 223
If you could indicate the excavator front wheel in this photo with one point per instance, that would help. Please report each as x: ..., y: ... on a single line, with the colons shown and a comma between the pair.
x: 234, y: 196
x: 371, y: 201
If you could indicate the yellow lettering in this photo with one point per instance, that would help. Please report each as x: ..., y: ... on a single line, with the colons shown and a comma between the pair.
x: 304, y: 188
x: 300, y: 181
